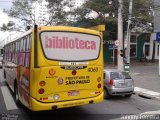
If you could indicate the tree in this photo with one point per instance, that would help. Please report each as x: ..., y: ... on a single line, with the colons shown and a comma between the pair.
x: 8, y: 27
x: 106, y: 10
x: 24, y: 11
x: 143, y: 14
x: 21, y: 10
x: 4, y: 27
x: 58, y: 12
x: 97, y: 11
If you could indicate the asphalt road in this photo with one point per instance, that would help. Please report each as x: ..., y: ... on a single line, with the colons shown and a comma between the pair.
x: 113, y: 109
x: 146, y: 76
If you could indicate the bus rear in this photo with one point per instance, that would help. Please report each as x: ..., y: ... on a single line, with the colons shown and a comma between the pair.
x: 66, y: 68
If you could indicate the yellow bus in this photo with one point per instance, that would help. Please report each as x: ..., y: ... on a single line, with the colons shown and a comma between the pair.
x: 52, y: 67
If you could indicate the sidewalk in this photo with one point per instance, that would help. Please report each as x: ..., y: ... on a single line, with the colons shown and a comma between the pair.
x: 146, y: 78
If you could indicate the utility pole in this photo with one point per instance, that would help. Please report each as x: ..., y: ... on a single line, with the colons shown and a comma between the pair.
x: 35, y: 5
x: 120, y: 35
x: 129, y: 31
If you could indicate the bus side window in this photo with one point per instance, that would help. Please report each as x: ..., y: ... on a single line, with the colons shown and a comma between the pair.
x: 7, y: 53
x: 21, y: 52
x: 28, y: 43
x: 27, y: 56
x: 9, y: 59
x: 17, y: 51
x: 13, y: 52
x: 30, y: 39
x: 21, y: 45
x: 24, y: 50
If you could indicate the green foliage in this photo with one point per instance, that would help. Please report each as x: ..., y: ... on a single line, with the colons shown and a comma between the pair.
x: 143, y: 13
x: 107, y: 11
x: 103, y: 10
x: 4, y: 27
x: 58, y: 15
x: 21, y: 10
x: 8, y: 27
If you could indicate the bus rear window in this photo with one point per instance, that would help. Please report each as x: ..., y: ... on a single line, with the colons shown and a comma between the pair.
x: 68, y: 46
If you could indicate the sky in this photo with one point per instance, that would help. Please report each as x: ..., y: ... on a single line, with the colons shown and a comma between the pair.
x: 4, y: 4
x: 3, y: 18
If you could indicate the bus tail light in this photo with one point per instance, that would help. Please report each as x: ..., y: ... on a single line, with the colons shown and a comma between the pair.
x: 41, y: 91
x: 46, y: 98
x: 42, y: 83
x: 97, y: 92
x: 99, y: 85
x: 74, y: 72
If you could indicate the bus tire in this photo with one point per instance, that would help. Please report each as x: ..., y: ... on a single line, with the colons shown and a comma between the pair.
x: 16, y: 97
x: 4, y: 74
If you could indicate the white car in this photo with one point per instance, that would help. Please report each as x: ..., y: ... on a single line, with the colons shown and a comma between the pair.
x: 117, y: 83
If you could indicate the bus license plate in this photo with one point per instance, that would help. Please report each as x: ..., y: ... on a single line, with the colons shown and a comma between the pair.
x: 73, y: 93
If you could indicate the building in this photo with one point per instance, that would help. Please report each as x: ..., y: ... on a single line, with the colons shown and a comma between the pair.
x: 143, y: 45
x: 141, y: 48
x: 40, y: 12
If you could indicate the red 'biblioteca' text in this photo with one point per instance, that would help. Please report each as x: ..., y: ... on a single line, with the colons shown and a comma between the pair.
x: 67, y: 43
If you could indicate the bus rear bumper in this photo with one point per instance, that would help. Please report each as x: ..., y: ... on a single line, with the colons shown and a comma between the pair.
x: 39, y: 106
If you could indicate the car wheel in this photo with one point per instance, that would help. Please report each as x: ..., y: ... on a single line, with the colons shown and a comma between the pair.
x: 128, y: 95
x: 106, y: 94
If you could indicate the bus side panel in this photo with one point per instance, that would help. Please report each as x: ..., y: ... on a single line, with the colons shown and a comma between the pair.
x: 11, y: 72
x: 24, y: 78
x: 24, y: 85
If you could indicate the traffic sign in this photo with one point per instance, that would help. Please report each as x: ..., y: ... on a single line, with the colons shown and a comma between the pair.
x: 112, y: 47
x: 158, y: 36
x: 116, y: 43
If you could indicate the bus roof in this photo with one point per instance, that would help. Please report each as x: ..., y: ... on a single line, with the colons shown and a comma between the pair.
x: 20, y: 36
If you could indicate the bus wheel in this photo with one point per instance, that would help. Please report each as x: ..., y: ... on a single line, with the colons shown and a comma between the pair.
x: 16, y: 97
x: 4, y: 74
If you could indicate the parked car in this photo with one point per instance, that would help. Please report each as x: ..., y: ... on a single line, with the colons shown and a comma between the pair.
x: 117, y: 83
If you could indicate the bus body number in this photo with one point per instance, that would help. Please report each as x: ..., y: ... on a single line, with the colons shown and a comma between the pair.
x: 93, y: 69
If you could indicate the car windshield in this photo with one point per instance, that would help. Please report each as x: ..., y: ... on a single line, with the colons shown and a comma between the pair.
x: 119, y: 75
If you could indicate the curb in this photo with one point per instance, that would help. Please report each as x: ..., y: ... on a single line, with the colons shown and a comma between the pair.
x: 147, y: 93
